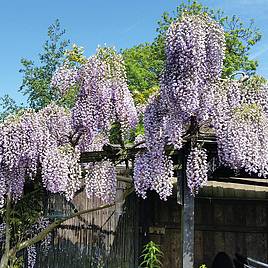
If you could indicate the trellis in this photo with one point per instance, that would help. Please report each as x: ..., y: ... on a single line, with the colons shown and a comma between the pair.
x: 184, y: 198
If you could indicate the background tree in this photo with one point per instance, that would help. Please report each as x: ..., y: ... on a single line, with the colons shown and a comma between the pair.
x: 9, y: 106
x: 36, y: 79
x: 145, y: 62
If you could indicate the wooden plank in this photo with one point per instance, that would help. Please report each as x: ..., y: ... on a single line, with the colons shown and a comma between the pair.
x: 199, y: 249
x: 232, y: 229
x: 218, y: 214
x: 261, y: 247
x: 207, y: 211
x: 209, y: 248
x: 261, y: 215
x: 251, y: 215
x: 230, y: 243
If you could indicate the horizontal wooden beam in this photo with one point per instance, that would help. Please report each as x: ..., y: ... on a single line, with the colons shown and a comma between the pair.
x: 244, y: 181
x: 113, y: 153
x: 231, y: 229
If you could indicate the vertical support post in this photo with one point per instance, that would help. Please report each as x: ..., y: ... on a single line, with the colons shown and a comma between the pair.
x: 180, y: 178
x: 187, y: 224
x: 187, y: 216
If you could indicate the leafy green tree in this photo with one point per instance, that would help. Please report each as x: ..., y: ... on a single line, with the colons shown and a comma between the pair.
x: 36, y: 79
x: 9, y: 106
x: 145, y: 62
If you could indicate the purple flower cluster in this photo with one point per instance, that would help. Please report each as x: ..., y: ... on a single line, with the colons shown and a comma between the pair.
x: 39, y: 226
x: 45, y: 139
x: 194, y: 58
x: 36, y: 140
x: 64, y: 78
x: 195, y: 51
x: 36, y: 228
x: 31, y: 256
x: 61, y: 171
x: 153, y: 170
x: 196, y: 169
x: 104, y: 98
x: 2, y: 232
x: 101, y: 181
x: 241, y: 125
x: 190, y: 87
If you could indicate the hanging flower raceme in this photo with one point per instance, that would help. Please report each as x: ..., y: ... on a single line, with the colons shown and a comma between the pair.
x: 35, y: 140
x: 194, y: 51
x: 64, y: 78
x: 103, y: 96
x: 61, y: 171
x: 241, y: 126
x: 31, y: 256
x: 101, y: 181
x: 18, y: 153
x: 194, y: 58
x: 196, y: 169
x: 124, y: 111
x: 154, y: 117
x: 2, y: 232
x: 153, y: 170
x: 36, y: 228
x: 92, y: 110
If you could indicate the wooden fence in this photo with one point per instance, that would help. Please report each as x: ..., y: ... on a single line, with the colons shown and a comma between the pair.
x: 105, y: 238
x: 113, y: 238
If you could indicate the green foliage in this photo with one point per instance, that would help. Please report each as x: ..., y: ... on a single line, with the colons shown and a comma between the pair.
x: 255, y: 82
x: 151, y: 256
x: 202, y: 266
x: 9, y: 106
x: 75, y: 55
x: 251, y: 111
x: 18, y: 262
x: 144, y: 63
x: 36, y: 79
x: 25, y: 212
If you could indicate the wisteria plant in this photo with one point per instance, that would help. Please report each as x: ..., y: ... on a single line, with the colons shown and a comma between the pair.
x: 45, y: 147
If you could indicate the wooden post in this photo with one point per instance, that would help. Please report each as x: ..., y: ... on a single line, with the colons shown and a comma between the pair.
x: 187, y: 223
x: 180, y: 178
x: 187, y: 217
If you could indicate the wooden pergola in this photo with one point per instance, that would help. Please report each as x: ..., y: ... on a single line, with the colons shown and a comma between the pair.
x: 185, y: 199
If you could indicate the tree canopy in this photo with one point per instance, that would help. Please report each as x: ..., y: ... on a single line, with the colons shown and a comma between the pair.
x: 145, y: 62
x: 36, y: 78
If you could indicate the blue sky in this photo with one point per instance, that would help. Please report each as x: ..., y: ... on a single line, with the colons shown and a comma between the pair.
x: 89, y: 23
